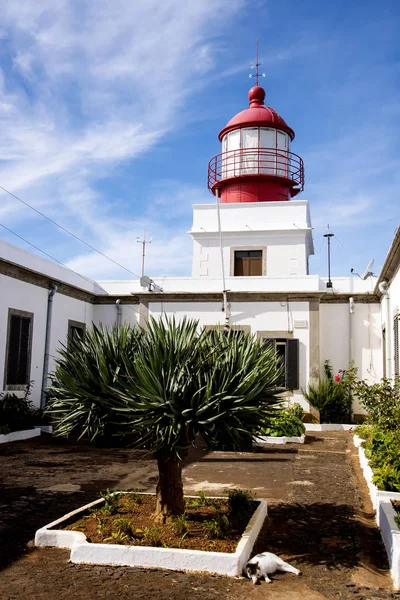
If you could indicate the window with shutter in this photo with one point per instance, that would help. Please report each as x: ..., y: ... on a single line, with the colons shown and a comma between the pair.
x: 76, y: 331
x: 287, y: 350
x: 18, y: 351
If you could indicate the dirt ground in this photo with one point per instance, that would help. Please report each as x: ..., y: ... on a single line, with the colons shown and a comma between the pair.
x: 320, y: 519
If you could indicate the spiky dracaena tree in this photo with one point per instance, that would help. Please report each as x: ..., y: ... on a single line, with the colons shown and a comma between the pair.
x: 88, y: 373
x: 182, y: 383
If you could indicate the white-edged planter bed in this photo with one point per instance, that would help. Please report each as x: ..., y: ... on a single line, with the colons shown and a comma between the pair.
x: 328, y: 427
x: 17, y: 436
x: 269, y: 439
x: 385, y: 514
x: 175, y: 559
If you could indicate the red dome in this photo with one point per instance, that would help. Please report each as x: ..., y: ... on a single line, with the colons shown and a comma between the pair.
x: 257, y: 115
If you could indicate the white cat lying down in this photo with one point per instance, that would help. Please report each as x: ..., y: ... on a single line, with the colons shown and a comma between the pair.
x: 266, y: 563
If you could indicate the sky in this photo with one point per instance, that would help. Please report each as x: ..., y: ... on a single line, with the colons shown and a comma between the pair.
x: 110, y: 112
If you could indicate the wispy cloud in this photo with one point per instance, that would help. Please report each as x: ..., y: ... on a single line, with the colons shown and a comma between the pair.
x: 89, y: 87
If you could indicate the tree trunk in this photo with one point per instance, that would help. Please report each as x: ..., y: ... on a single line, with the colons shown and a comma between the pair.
x: 169, y: 488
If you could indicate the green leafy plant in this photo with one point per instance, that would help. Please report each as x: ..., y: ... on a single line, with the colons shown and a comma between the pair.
x: 217, y: 527
x: 17, y: 413
x: 287, y: 422
x: 381, y: 401
x: 181, y: 525
x: 117, y: 537
x: 332, y: 396
x: 200, y: 500
x: 125, y: 526
x: 110, y: 502
x: 151, y: 536
x: 239, y: 502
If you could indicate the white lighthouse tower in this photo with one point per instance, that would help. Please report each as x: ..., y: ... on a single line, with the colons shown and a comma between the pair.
x: 255, y: 229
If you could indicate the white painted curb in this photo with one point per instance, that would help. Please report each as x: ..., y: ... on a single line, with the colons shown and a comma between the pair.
x: 45, y: 428
x: 377, y: 496
x: 391, y: 538
x: 16, y: 436
x: 269, y: 439
x: 384, y: 515
x: 328, y: 427
x: 175, y: 559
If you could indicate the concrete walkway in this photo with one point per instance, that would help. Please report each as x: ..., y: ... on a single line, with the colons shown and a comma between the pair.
x: 320, y: 519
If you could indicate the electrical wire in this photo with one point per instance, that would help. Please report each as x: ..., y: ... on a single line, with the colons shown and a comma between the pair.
x: 69, y: 232
x: 62, y: 264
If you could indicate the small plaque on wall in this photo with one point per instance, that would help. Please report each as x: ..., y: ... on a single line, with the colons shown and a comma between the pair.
x: 300, y: 324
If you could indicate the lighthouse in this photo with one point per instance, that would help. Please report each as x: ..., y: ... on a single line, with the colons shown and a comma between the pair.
x: 257, y: 228
x: 256, y: 163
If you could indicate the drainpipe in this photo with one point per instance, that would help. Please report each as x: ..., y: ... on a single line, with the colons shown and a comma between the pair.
x: 119, y: 311
x: 224, y: 290
x: 52, y: 291
x: 383, y: 288
x: 351, y: 317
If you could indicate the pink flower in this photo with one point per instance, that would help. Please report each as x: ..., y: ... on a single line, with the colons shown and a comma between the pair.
x: 337, y: 377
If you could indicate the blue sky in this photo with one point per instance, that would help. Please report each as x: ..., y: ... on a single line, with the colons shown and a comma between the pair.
x: 110, y: 111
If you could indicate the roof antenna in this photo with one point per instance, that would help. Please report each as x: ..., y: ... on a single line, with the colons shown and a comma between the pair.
x: 328, y: 235
x: 143, y: 242
x: 255, y: 65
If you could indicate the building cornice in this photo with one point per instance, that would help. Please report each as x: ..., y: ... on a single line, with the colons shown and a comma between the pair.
x: 34, y: 278
x: 391, y: 264
x: 162, y: 297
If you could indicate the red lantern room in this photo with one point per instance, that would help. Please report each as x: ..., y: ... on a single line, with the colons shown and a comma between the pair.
x: 256, y: 164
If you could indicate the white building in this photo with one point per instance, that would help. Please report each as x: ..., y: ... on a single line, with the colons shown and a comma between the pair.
x: 251, y: 252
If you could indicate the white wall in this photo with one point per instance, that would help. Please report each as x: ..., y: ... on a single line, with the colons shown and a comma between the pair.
x: 261, y: 316
x: 335, y: 340
x: 25, y: 296
x: 284, y: 228
x: 30, y: 298
x: 66, y: 308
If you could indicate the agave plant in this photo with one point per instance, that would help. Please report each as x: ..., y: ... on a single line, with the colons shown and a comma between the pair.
x: 88, y: 371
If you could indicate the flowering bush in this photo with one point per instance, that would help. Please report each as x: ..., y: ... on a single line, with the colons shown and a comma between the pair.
x: 332, y: 395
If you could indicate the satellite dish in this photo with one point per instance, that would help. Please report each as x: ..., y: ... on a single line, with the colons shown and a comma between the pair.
x: 368, y: 272
x: 145, y: 281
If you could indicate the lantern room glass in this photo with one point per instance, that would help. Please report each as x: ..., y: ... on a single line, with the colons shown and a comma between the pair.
x: 270, y: 156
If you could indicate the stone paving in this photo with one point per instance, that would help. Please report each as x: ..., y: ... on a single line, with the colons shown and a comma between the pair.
x: 320, y: 519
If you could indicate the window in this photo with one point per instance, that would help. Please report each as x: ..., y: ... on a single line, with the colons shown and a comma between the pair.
x: 288, y: 352
x: 248, y: 263
x: 76, y: 331
x: 18, y: 350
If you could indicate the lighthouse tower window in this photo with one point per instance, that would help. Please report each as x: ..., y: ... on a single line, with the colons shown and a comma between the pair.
x: 248, y: 263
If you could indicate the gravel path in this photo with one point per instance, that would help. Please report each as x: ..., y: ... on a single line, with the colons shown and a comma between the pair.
x: 320, y: 519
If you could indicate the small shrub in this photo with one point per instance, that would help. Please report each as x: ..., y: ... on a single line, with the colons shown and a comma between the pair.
x: 181, y: 525
x: 239, y: 502
x: 200, y: 501
x: 287, y: 422
x: 125, y: 526
x: 332, y: 396
x: 17, y: 413
x: 136, y: 497
x: 151, y: 536
x: 216, y: 528
x: 382, y: 402
x: 117, y: 537
x: 110, y: 502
